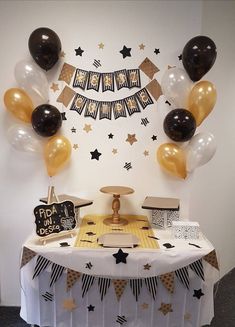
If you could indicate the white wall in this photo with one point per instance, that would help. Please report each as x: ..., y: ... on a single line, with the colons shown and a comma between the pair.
x: 167, y: 25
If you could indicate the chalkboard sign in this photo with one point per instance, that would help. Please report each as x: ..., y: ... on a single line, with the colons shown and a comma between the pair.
x: 54, y: 218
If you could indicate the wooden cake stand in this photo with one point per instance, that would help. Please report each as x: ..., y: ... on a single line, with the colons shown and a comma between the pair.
x: 116, y: 191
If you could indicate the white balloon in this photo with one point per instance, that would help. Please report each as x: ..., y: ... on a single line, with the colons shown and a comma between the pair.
x: 24, y: 139
x: 200, y: 150
x: 33, y: 80
x: 176, y: 86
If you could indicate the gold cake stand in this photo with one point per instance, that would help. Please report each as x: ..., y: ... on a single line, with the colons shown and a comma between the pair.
x: 116, y: 191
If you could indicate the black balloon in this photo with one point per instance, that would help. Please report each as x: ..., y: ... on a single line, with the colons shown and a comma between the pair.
x: 46, y: 120
x: 44, y: 46
x: 198, y: 56
x: 179, y: 125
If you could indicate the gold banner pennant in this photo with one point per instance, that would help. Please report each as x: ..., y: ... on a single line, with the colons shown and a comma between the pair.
x: 211, y: 258
x: 78, y: 103
x: 154, y: 89
x: 94, y: 81
x: 66, y: 73
x: 72, y: 277
x: 107, y: 82
x: 132, y: 105
x: 119, y: 108
x: 119, y: 287
x: 121, y: 79
x: 80, y: 78
x: 92, y: 107
x: 66, y: 96
x: 148, y: 67
x: 27, y: 255
x: 168, y: 281
x: 133, y: 78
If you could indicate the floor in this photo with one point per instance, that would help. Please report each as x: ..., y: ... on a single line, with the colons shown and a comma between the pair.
x: 224, y: 306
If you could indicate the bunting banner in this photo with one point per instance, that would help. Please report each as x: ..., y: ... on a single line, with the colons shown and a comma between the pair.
x: 119, y: 287
x: 41, y: 264
x: 136, y: 285
x: 80, y: 78
x: 197, y: 267
x: 27, y: 255
x: 148, y: 67
x: 56, y: 273
x: 66, y: 73
x: 183, y: 276
x: 168, y: 281
x: 151, y: 284
x: 211, y: 258
x: 72, y: 277
x: 66, y: 96
x: 104, y: 284
x: 87, y: 282
x: 93, y: 81
x: 107, y: 82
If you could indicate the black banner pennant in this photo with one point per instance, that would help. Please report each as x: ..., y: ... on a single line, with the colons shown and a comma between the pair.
x: 78, y: 104
x: 107, y: 82
x: 56, y: 273
x: 92, y: 107
x: 197, y: 267
x: 119, y: 108
x: 87, y: 282
x: 136, y: 285
x: 132, y: 105
x: 80, y: 78
x: 105, y: 110
x: 94, y: 81
x: 144, y: 98
x: 133, y: 78
x: 41, y: 264
x: 104, y: 284
x: 121, y: 79
x: 183, y: 276
x: 151, y: 284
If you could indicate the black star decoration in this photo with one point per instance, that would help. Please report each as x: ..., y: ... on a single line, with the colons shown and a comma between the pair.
x: 110, y: 135
x: 79, y: 51
x: 63, y: 116
x: 180, y: 57
x: 126, y: 52
x: 120, y: 256
x: 95, y: 154
x: 198, y: 293
x: 157, y: 51
x: 154, y: 137
x: 91, y: 308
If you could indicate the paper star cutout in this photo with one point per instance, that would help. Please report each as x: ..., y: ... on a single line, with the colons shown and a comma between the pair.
x: 89, y: 265
x: 141, y: 46
x: 131, y: 139
x: 69, y: 304
x: 114, y: 151
x: 87, y: 128
x: 126, y: 52
x: 198, y: 294
x: 180, y: 57
x: 79, y: 51
x: 154, y: 137
x: 187, y: 316
x: 145, y: 306
x: 165, y: 308
x: 128, y: 165
x: 75, y: 146
x: 62, y: 54
x: 54, y: 87
x: 101, y: 45
x: 120, y: 256
x: 110, y: 136
x: 73, y: 130
x: 95, y: 154
x: 157, y: 51
x: 63, y: 116
x: 147, y: 266
x: 91, y: 308
x: 146, y: 153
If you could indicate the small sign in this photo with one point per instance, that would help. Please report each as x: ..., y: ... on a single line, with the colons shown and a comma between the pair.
x: 54, y: 218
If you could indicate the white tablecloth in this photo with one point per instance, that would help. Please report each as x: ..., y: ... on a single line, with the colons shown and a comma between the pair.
x: 186, y: 310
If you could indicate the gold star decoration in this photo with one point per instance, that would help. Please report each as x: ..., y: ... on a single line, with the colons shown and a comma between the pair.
x: 69, y: 304
x: 147, y: 266
x: 141, y: 46
x: 75, y: 146
x: 62, y: 54
x: 131, y: 139
x: 145, y: 306
x: 187, y: 316
x: 146, y: 153
x: 101, y: 45
x: 87, y: 128
x: 165, y: 308
x: 114, y: 151
x: 54, y: 87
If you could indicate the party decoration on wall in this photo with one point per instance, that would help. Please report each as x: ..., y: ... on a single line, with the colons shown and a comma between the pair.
x: 95, y: 154
x: 141, y: 46
x: 54, y: 87
x: 127, y: 166
x: 45, y: 47
x: 179, y: 125
x: 172, y: 158
x: 154, y: 89
x: 180, y: 57
x: 19, y: 104
x: 107, y: 82
x: 154, y: 137
x: 199, y: 55
x: 66, y: 96
x: 131, y: 139
x: 80, y: 78
x: 78, y: 51
x: 33, y: 81
x: 157, y: 51
x: 66, y: 73
x: 57, y: 152
x: 97, y: 63
x: 200, y: 150
x: 126, y: 52
x: 148, y: 67
x: 144, y: 121
x: 87, y: 128
x: 101, y: 45
x: 176, y: 86
x: 201, y: 100
x: 46, y: 120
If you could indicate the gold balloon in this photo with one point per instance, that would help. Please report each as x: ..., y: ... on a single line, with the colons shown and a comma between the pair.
x: 172, y: 158
x: 57, y: 152
x: 19, y: 104
x: 201, y: 101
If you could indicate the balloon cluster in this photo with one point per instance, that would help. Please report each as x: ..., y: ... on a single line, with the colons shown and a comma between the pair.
x: 29, y: 104
x: 193, y: 103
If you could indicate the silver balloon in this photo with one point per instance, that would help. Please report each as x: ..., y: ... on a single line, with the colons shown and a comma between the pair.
x: 176, y: 86
x: 24, y: 139
x: 200, y: 150
x: 33, y: 80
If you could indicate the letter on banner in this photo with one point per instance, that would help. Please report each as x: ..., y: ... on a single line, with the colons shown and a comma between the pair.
x: 107, y: 82
x: 121, y: 79
x: 132, y: 105
x: 92, y: 107
x: 80, y: 78
x: 144, y: 98
x: 78, y: 103
x: 93, y: 81
x: 119, y: 109
x: 105, y: 110
x: 133, y: 78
